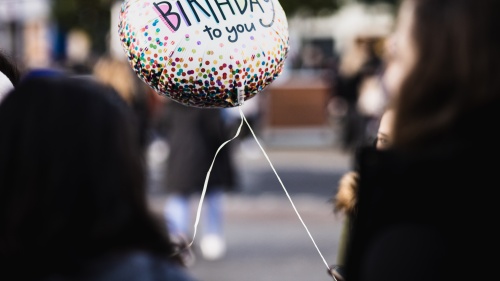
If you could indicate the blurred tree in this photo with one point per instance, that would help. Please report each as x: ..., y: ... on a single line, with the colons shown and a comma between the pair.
x: 393, y: 2
x: 313, y: 6
x: 323, y: 6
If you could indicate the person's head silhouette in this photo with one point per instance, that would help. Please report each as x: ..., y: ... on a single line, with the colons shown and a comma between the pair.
x: 72, y: 180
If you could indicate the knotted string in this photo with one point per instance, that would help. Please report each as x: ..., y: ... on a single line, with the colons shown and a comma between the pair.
x: 198, y: 213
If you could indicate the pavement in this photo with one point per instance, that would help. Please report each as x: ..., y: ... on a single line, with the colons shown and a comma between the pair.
x: 280, y: 225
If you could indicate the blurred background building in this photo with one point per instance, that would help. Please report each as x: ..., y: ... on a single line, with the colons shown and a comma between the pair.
x: 25, y: 31
x: 303, y: 107
x: 73, y: 34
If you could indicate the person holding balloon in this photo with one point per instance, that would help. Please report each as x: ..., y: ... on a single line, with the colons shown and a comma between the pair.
x: 346, y: 196
x: 426, y: 207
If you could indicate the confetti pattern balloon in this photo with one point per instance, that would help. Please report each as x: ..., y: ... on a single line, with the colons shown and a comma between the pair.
x: 205, y: 53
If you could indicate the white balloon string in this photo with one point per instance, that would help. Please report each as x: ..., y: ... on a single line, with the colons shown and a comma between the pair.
x: 200, y: 205
x: 198, y: 212
x: 284, y: 188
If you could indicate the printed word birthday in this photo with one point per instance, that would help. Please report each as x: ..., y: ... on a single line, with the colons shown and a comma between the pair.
x: 189, y: 11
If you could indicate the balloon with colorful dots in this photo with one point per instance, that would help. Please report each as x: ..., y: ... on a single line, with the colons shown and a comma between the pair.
x: 205, y: 53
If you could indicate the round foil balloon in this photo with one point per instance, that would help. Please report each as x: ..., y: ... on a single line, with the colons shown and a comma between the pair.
x: 205, y: 53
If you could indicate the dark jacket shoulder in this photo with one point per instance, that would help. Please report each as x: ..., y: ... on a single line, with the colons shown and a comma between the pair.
x: 445, y: 190
x: 136, y: 266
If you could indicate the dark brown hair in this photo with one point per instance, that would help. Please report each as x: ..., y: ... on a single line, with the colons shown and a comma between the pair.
x: 457, y: 67
x: 72, y: 179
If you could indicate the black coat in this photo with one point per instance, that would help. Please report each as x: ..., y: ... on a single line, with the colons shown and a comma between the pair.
x: 194, y: 135
x: 430, y: 215
x: 134, y: 266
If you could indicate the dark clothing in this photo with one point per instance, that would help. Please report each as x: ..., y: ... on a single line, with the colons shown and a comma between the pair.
x: 130, y: 267
x: 430, y: 215
x: 142, y: 112
x: 194, y: 135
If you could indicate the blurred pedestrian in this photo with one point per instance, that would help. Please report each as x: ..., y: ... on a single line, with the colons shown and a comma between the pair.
x: 193, y: 136
x: 346, y: 195
x: 72, y: 188
x: 426, y: 206
x: 10, y: 75
x: 359, y: 67
x: 119, y: 75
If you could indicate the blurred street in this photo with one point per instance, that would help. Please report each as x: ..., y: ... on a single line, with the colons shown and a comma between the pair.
x: 265, y: 238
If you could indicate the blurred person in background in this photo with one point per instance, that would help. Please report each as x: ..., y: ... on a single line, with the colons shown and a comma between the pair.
x: 72, y: 188
x: 346, y: 196
x: 359, y: 67
x: 10, y: 75
x: 119, y: 75
x: 78, y: 59
x: 426, y: 206
x: 193, y: 136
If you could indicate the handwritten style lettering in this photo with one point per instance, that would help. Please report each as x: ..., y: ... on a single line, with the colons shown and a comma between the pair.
x: 272, y: 20
x: 234, y: 30
x: 171, y: 19
x: 187, y: 9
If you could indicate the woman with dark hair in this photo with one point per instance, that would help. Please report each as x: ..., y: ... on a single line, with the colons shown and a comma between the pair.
x: 72, y: 188
x: 426, y: 208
